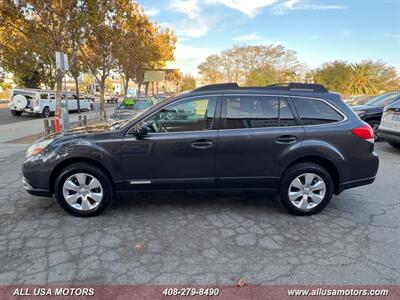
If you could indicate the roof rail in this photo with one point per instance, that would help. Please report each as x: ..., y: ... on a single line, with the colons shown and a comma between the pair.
x: 294, y: 86
x: 291, y: 86
x: 219, y: 86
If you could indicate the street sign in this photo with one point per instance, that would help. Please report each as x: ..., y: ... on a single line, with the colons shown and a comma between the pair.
x: 150, y: 76
x: 62, y: 61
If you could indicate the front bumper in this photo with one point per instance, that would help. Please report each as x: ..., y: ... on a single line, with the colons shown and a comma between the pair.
x: 35, y: 191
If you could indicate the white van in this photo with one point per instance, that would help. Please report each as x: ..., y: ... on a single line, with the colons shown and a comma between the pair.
x: 43, y: 102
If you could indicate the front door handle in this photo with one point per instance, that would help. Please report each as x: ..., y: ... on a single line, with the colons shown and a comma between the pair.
x: 286, y: 139
x: 202, y: 144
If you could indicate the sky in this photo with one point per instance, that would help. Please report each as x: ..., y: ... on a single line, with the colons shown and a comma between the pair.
x: 318, y: 30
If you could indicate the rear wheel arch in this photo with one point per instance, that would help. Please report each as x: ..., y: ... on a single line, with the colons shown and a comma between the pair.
x: 62, y: 165
x: 321, y: 161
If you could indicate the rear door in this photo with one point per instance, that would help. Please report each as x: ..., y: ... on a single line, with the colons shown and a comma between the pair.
x: 258, y: 133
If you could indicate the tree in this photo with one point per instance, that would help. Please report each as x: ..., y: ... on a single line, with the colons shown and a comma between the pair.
x: 249, y: 63
x: 370, y: 77
x: 174, y: 76
x: 335, y: 75
x: 188, y: 82
x: 100, y: 37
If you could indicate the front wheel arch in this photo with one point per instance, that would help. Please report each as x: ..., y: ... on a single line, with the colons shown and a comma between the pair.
x: 62, y: 165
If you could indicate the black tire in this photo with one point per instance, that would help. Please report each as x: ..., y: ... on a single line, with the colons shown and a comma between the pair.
x: 108, y: 191
x: 46, y: 113
x: 291, y: 174
x: 374, y: 125
x: 394, y: 145
x: 16, y: 113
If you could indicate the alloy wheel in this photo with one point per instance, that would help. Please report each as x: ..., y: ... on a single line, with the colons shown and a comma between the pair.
x: 83, y: 191
x: 307, y: 191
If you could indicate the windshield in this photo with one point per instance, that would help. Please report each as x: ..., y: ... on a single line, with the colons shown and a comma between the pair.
x: 120, y: 124
x: 135, y: 104
x: 383, y: 100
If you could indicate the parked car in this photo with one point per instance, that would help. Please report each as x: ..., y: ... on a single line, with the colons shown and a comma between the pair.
x: 297, y: 140
x: 42, y: 102
x: 131, y: 107
x: 389, y: 129
x: 371, y: 111
x: 111, y: 98
x: 357, y: 100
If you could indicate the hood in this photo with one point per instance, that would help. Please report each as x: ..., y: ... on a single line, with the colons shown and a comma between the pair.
x: 100, y: 127
x: 124, y: 114
x: 367, y: 108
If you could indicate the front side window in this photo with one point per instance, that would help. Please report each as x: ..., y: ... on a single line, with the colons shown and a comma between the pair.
x: 188, y: 115
x: 44, y: 96
x: 256, y: 112
x: 315, y: 112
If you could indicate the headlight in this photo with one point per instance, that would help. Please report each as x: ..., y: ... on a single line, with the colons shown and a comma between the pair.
x: 36, y: 148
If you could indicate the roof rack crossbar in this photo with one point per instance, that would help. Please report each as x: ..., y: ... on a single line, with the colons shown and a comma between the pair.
x: 219, y: 86
x: 294, y: 86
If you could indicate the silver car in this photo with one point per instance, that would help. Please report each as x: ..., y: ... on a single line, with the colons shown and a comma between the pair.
x: 390, y: 124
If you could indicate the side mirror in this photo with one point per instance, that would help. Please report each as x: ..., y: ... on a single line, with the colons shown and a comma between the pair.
x: 140, y: 131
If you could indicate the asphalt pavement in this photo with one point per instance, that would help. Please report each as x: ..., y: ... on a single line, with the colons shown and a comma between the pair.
x: 191, y: 238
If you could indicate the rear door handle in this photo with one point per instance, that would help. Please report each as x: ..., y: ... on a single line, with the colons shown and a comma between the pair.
x: 286, y: 139
x: 202, y: 144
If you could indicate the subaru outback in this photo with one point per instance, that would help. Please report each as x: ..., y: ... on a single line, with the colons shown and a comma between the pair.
x: 296, y: 140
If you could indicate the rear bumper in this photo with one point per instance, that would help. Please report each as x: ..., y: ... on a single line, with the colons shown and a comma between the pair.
x: 360, y: 170
x: 389, y: 135
x: 354, y: 183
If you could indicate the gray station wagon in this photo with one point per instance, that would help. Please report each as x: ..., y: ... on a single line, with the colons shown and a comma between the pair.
x: 297, y: 140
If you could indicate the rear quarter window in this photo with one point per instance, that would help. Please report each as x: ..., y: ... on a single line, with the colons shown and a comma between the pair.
x: 316, y: 112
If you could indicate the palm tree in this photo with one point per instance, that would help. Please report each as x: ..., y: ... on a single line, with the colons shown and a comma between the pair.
x: 362, y: 82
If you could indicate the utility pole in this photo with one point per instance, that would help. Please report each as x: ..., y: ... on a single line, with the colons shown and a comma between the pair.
x: 62, y: 68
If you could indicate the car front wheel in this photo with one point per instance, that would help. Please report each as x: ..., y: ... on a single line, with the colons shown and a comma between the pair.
x: 306, y: 189
x: 83, y: 190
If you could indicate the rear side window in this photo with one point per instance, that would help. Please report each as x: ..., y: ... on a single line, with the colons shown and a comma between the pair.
x: 315, y: 112
x: 256, y: 112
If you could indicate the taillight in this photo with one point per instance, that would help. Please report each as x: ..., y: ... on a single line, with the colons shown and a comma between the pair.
x: 365, y: 132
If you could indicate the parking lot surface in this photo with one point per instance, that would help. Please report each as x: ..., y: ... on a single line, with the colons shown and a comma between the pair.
x: 203, y: 238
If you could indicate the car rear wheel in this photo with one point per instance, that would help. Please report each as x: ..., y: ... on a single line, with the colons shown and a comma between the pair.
x: 394, y: 145
x: 306, y: 189
x: 16, y: 113
x: 46, y: 112
x: 374, y: 125
x: 83, y: 190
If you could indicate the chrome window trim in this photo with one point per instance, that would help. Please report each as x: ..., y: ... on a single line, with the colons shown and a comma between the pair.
x: 256, y: 128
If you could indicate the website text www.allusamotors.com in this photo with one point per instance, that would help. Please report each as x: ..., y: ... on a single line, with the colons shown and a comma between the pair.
x: 338, y: 292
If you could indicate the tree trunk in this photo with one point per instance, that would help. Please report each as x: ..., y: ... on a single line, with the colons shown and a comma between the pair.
x: 156, y: 87
x: 139, y: 87
x: 126, y: 85
x: 146, y: 93
x: 77, y: 94
x: 152, y: 88
x: 102, y: 91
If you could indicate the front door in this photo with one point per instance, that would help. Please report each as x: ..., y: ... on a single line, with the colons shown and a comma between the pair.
x: 260, y: 133
x: 179, y: 150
